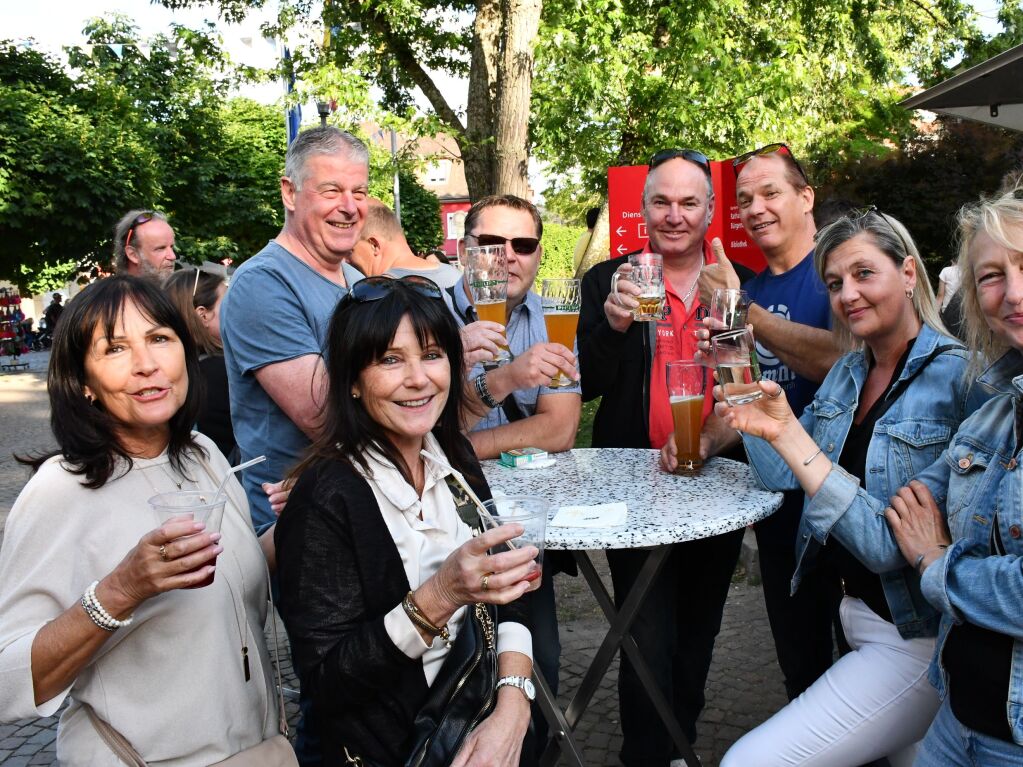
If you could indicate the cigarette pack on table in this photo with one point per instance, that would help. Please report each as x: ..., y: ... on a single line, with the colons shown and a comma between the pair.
x: 522, y: 455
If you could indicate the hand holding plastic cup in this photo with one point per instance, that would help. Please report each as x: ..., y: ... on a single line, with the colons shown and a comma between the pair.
x: 525, y: 510
x: 197, y: 505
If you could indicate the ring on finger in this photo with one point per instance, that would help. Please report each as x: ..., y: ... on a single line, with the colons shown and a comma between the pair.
x: 776, y: 394
x: 485, y: 582
x: 163, y: 553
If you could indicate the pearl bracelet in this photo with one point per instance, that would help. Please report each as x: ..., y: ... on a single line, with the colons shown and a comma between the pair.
x: 98, y: 614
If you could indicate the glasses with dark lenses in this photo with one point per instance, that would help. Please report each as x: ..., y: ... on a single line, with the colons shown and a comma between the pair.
x: 375, y: 288
x: 140, y: 219
x: 524, y: 246
x: 859, y: 215
x: 686, y: 154
x: 778, y: 148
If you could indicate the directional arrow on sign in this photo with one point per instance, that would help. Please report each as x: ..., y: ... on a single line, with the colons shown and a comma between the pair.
x: 620, y: 231
x: 621, y: 249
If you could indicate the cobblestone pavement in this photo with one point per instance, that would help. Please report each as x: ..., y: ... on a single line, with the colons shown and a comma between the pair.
x: 744, y: 687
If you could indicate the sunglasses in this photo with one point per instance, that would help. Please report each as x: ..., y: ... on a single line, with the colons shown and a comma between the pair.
x: 686, y: 154
x: 858, y: 215
x: 374, y: 288
x: 524, y: 246
x: 142, y: 218
x: 778, y: 148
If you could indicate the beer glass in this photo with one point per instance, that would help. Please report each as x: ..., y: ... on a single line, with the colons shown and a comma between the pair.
x: 486, y: 271
x: 561, y: 301
x: 729, y: 310
x: 647, y: 275
x: 685, y: 380
x: 735, y: 357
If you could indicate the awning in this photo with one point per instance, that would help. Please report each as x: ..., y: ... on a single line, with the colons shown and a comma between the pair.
x: 990, y: 93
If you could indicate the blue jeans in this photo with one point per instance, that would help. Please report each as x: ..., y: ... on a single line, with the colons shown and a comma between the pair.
x: 949, y: 744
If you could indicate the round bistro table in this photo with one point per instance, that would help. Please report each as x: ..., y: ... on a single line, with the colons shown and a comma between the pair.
x: 663, y: 509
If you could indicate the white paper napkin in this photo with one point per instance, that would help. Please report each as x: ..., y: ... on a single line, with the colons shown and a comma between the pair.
x: 598, y: 515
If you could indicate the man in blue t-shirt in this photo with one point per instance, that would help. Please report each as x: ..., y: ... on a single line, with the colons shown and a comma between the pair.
x: 276, y: 311
x: 791, y: 316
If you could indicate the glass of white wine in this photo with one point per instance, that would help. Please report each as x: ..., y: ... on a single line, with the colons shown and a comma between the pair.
x: 735, y: 357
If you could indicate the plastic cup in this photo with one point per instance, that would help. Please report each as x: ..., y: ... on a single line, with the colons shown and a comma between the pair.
x: 528, y: 511
x: 196, y: 505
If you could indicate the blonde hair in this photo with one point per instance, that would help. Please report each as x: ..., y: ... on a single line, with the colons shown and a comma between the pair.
x: 1001, y: 218
x: 892, y: 238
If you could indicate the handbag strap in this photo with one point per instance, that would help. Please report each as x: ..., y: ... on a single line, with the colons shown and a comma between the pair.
x: 282, y: 717
x: 115, y: 741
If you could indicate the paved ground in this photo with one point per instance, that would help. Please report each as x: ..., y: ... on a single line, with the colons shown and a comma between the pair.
x: 744, y: 688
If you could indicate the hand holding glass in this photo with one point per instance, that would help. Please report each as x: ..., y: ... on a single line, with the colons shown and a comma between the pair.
x: 486, y: 271
x: 531, y: 513
x: 197, y: 505
x: 729, y: 310
x: 648, y: 275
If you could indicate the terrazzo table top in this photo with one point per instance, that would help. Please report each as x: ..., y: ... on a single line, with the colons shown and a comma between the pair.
x: 662, y: 508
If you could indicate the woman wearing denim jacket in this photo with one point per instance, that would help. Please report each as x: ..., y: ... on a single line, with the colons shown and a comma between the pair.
x: 973, y: 574
x: 885, y: 413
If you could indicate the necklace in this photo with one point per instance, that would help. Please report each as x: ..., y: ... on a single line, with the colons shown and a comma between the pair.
x: 689, y: 293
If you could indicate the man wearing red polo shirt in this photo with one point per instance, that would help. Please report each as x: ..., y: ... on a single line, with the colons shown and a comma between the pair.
x: 623, y: 362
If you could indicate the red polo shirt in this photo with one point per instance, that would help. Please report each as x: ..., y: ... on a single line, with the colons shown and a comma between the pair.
x: 676, y: 340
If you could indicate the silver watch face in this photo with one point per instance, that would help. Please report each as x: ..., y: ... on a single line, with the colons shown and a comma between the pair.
x: 529, y: 689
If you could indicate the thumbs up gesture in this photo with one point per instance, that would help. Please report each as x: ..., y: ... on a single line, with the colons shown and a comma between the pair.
x: 719, y: 275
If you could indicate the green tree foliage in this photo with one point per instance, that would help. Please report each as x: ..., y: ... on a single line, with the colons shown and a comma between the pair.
x: 63, y: 167
x: 420, y: 215
x: 558, y: 248
x: 927, y: 180
x: 616, y: 79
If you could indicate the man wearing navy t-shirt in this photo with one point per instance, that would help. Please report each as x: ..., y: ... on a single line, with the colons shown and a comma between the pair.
x: 791, y: 317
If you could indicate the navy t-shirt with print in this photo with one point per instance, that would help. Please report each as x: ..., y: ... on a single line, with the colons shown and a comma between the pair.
x: 797, y: 295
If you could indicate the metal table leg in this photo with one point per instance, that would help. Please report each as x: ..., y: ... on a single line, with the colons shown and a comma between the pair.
x: 618, y: 636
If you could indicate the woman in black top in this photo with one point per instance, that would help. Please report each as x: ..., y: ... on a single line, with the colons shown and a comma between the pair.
x: 375, y: 560
x: 198, y: 294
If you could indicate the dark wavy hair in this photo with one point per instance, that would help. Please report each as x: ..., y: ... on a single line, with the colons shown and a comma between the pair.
x: 359, y: 334
x: 86, y: 434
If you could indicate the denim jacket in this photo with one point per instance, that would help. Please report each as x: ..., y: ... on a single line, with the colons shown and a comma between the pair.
x: 907, y: 442
x: 971, y: 581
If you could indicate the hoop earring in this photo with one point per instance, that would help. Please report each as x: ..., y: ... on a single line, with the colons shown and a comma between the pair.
x: 909, y: 294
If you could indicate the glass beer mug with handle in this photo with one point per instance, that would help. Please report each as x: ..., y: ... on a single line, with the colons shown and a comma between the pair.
x: 648, y: 275
x: 686, y: 380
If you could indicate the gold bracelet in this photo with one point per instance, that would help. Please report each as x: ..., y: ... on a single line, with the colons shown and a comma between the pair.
x: 417, y: 617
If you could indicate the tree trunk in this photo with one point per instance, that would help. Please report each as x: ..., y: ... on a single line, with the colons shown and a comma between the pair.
x: 477, y: 145
x: 515, y: 86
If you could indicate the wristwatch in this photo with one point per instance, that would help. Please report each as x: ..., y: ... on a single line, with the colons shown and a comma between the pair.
x: 522, y: 682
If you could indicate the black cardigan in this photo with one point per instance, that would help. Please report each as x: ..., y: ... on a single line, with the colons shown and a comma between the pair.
x: 340, y: 574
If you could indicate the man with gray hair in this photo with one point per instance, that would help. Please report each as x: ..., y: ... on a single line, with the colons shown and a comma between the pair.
x: 275, y: 314
x: 144, y: 244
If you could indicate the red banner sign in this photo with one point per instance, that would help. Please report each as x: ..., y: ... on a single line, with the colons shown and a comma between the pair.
x: 628, y: 230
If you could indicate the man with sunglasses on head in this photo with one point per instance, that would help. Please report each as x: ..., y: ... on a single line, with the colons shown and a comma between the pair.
x: 623, y: 362
x: 144, y: 245
x: 791, y: 318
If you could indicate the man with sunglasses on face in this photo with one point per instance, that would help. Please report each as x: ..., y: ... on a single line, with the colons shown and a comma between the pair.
x: 623, y: 362
x: 144, y: 245
x: 791, y: 319
x: 517, y: 406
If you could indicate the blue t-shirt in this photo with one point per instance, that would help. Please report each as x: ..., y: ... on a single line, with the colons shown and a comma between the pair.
x: 797, y: 295
x: 277, y: 308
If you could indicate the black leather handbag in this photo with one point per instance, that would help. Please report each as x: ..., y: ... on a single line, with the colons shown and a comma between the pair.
x: 461, y: 696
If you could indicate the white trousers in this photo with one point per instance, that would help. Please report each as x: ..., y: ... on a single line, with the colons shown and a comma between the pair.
x: 874, y: 702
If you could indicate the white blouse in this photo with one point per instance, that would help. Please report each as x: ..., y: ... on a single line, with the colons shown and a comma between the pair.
x: 423, y: 545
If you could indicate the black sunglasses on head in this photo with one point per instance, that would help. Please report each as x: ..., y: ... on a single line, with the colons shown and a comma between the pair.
x: 778, y: 147
x: 374, y: 288
x: 859, y: 215
x: 524, y: 246
x: 692, y: 155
